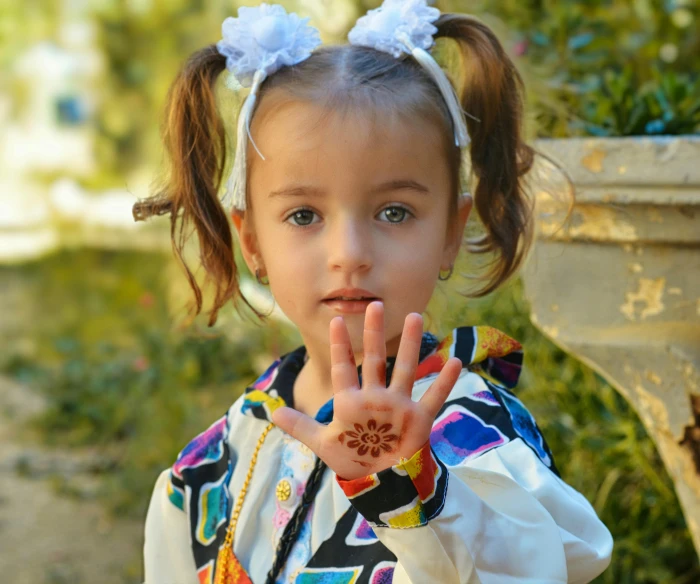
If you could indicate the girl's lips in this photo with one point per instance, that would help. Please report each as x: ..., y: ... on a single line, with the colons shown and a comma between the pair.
x: 349, y: 306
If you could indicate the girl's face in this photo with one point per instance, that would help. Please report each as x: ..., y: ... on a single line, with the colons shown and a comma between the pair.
x: 348, y: 207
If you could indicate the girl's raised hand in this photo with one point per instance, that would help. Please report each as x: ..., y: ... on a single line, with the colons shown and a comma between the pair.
x: 374, y: 426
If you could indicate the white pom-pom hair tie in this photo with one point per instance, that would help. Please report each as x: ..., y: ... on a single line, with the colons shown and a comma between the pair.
x: 406, y: 27
x: 257, y: 44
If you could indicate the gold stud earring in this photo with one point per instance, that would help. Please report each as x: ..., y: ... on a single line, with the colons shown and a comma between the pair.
x: 447, y: 277
x: 257, y: 277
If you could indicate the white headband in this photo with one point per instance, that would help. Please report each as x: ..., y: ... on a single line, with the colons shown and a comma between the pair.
x: 265, y: 38
x: 256, y: 44
x: 406, y: 26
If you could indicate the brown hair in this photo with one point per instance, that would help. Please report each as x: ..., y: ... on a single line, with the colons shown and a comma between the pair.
x: 340, y: 77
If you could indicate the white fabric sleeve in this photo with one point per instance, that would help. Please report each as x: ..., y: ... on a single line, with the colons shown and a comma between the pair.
x: 502, y: 518
x: 167, y: 553
x: 585, y: 540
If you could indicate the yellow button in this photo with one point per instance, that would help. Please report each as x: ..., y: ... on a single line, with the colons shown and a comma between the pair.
x: 284, y: 490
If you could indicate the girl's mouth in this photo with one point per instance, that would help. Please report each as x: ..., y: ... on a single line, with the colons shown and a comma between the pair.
x: 349, y: 305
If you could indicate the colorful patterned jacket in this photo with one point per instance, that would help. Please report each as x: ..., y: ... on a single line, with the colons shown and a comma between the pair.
x: 481, y: 502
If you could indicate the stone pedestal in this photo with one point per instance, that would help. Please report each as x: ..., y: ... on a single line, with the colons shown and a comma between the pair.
x: 618, y: 286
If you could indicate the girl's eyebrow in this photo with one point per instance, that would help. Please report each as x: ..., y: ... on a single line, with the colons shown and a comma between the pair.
x: 297, y: 192
x: 392, y: 185
x: 399, y: 185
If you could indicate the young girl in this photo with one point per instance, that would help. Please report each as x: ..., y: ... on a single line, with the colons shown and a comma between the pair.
x: 418, y: 465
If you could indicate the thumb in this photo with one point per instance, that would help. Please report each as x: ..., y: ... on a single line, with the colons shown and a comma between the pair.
x: 299, y: 426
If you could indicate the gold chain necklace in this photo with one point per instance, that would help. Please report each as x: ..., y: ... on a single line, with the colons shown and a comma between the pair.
x: 228, y: 569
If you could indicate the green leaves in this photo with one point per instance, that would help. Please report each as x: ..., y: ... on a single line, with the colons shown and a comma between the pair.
x: 669, y: 103
x: 605, y: 68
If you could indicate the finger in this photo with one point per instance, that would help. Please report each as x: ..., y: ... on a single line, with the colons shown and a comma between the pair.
x: 374, y: 347
x: 404, y: 372
x: 437, y: 393
x: 299, y: 426
x: 343, y: 366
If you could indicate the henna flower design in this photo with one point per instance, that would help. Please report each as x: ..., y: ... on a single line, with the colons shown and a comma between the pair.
x: 373, y: 440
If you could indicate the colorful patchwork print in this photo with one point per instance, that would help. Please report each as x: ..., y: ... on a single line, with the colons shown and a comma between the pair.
x: 485, y: 350
x: 491, y: 342
x: 358, y: 487
x: 212, y: 510
x: 175, y: 494
x: 423, y: 470
x: 206, y: 448
x: 471, y: 425
x: 260, y: 399
x: 486, y: 397
x: 274, y: 388
x: 361, y: 533
x: 199, y: 484
x: 525, y: 425
x: 435, y: 362
x: 261, y: 396
x: 383, y: 573
x: 265, y: 380
x: 205, y: 574
x: 417, y: 487
x: 411, y: 515
x: 352, y: 544
x: 330, y: 576
x: 458, y: 435
x: 490, y: 353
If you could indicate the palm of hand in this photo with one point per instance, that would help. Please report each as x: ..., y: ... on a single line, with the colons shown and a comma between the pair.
x: 374, y: 426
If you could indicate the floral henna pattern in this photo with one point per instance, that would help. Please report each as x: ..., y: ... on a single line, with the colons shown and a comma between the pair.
x: 372, y: 440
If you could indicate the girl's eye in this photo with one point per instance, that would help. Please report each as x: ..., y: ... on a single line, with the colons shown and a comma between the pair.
x: 302, y: 217
x: 307, y: 217
x: 395, y: 214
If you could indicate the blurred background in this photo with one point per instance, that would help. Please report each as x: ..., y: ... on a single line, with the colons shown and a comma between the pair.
x: 104, y: 378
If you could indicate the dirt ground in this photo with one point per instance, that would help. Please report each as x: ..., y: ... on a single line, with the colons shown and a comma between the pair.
x: 52, y: 530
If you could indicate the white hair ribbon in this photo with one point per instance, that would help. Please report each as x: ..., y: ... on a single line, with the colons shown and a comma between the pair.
x: 257, y: 44
x: 406, y: 26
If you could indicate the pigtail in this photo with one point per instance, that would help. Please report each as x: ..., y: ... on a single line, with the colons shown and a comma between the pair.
x: 195, y: 143
x: 491, y: 95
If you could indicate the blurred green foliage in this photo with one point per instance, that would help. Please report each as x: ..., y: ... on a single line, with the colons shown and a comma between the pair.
x: 603, y: 67
x: 121, y: 379
x: 667, y: 104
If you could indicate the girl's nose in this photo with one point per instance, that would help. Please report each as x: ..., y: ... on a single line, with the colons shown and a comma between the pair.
x: 349, y: 246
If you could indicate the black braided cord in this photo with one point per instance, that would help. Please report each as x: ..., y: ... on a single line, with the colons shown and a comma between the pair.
x: 291, y: 531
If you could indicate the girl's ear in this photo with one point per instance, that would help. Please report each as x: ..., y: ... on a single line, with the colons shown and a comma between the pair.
x: 247, y: 239
x: 453, y: 243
